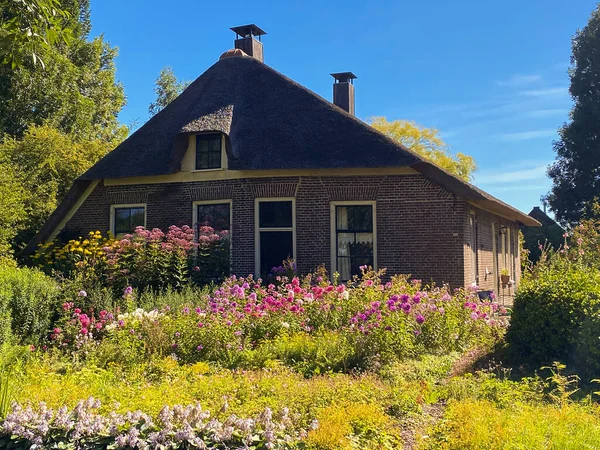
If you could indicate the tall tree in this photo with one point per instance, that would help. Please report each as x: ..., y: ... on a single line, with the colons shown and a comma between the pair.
x: 428, y: 144
x: 166, y: 88
x: 75, y: 91
x: 576, y: 172
x: 45, y: 162
x: 26, y: 26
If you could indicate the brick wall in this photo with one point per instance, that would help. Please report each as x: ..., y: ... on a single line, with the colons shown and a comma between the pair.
x: 420, y: 226
x: 488, y: 270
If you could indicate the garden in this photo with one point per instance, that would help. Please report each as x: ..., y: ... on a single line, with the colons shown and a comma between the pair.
x: 147, y: 342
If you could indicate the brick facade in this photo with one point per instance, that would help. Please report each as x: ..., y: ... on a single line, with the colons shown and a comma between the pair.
x: 422, y: 229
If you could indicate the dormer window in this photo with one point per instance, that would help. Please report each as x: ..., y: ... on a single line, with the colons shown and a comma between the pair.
x: 209, y: 151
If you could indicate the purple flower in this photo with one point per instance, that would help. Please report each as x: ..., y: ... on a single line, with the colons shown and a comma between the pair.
x: 200, y: 347
x: 82, y: 293
x: 420, y: 319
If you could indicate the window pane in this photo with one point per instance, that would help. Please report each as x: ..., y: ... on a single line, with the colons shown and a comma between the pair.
x: 216, y: 216
x: 357, y: 262
x: 363, y: 245
x: 202, y: 161
x: 345, y: 242
x: 127, y: 219
x: 354, y: 218
x: 341, y: 217
x: 214, y: 160
x: 344, y: 268
x: 208, y: 151
x: 275, y: 247
x: 361, y: 218
x: 122, y: 222
x: 137, y: 218
x: 275, y: 214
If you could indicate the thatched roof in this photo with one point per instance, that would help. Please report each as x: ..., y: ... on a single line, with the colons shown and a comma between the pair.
x: 271, y: 121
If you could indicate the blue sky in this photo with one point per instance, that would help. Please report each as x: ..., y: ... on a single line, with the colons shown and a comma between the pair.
x: 491, y: 76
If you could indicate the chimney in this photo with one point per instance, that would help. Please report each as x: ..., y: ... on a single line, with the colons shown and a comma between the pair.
x: 245, y: 40
x: 343, y: 91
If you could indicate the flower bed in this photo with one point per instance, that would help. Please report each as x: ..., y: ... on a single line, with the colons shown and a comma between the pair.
x: 175, y: 427
x: 244, y: 322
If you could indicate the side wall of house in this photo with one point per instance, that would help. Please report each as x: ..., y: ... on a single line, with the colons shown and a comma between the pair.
x: 492, y: 254
x: 420, y: 226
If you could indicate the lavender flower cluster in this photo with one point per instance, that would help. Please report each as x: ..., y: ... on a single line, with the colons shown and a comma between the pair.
x: 176, y: 427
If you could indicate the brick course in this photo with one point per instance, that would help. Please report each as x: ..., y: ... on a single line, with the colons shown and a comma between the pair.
x: 422, y: 229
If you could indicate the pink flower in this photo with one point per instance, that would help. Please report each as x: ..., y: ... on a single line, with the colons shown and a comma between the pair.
x: 84, y: 330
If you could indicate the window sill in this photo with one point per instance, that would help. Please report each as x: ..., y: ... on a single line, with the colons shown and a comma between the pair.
x: 207, y: 170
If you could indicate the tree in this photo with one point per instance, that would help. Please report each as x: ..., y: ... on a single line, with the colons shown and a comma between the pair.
x: 12, y: 209
x: 45, y: 162
x: 428, y: 144
x: 76, y: 91
x: 166, y: 88
x: 29, y: 25
x: 576, y: 172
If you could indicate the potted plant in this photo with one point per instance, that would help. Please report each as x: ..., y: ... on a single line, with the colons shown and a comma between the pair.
x: 504, y: 277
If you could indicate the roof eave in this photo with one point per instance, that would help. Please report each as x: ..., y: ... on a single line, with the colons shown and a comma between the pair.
x: 473, y: 195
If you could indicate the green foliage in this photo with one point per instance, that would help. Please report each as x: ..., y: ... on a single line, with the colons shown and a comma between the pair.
x: 12, y: 210
x: 167, y: 89
x: 76, y: 93
x: 574, y: 173
x: 549, y: 310
x: 45, y: 162
x: 27, y: 26
x: 556, y: 307
x: 427, y: 143
x: 28, y: 300
x: 478, y: 424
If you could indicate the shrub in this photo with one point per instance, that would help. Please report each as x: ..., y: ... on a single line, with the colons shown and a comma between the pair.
x: 477, y: 424
x: 549, y: 310
x: 28, y: 299
x: 363, y: 426
x: 146, y: 259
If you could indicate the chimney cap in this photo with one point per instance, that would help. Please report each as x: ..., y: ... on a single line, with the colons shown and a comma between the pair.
x: 344, y: 77
x: 248, y: 30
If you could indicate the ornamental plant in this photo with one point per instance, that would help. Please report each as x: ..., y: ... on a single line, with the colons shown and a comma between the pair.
x: 175, y: 427
x: 146, y: 259
x: 244, y: 322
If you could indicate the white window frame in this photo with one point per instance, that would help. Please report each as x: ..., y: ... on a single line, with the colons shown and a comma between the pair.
x: 333, y: 237
x: 224, y: 160
x: 258, y: 229
x: 125, y: 205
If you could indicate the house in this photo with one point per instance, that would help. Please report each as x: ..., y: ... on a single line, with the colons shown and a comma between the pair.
x: 288, y: 173
x: 550, y: 233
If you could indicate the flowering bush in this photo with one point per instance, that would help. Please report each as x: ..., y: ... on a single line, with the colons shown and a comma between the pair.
x: 175, y: 427
x: 243, y: 320
x: 145, y: 259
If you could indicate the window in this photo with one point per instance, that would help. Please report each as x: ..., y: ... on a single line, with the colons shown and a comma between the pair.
x: 216, y: 215
x: 473, y: 243
x: 126, y: 218
x: 275, y: 234
x: 208, y: 151
x: 353, y: 238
